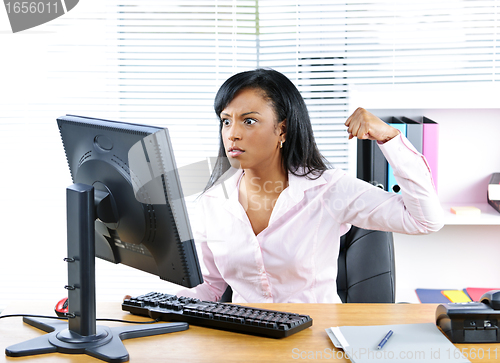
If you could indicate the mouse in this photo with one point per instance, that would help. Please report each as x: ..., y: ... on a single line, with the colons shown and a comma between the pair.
x: 61, y: 307
x: 492, y: 298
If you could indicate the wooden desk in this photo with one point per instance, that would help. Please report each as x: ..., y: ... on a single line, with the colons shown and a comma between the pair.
x: 209, y: 345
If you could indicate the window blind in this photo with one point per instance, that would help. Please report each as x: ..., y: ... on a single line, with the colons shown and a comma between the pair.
x: 295, y: 37
x: 173, y: 56
x: 422, y: 41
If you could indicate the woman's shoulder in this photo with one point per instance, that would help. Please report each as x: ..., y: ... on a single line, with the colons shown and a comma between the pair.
x: 303, y: 181
x: 225, y: 185
x: 329, y: 175
x: 336, y: 179
x: 334, y: 173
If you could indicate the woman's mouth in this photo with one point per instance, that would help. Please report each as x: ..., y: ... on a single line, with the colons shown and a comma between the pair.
x: 234, y: 152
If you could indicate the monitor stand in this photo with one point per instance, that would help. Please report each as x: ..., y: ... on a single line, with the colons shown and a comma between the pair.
x: 80, y: 335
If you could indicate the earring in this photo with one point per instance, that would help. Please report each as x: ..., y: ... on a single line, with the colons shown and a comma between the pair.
x: 281, y: 144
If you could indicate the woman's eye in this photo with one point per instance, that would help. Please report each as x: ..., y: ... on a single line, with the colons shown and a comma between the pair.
x: 225, y: 122
x: 250, y: 121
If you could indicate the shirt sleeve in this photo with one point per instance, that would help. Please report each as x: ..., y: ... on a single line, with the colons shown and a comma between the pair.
x: 213, y: 285
x: 415, y: 211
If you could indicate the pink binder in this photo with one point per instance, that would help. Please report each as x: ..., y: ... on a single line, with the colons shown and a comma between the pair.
x: 430, y: 146
x: 475, y: 293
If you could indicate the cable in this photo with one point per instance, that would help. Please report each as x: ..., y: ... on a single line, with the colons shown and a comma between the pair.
x: 70, y: 317
x: 32, y: 316
x: 130, y: 322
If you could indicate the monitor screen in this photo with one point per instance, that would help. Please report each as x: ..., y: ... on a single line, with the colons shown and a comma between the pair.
x: 142, y: 220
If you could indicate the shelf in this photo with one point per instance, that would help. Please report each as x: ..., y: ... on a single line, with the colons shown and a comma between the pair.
x: 488, y: 216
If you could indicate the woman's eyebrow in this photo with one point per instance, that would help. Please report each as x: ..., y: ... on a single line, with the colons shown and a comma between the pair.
x: 243, y: 114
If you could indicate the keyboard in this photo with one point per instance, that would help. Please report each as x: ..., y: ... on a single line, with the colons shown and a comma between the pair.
x: 230, y: 317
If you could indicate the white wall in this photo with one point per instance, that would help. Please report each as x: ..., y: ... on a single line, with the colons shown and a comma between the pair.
x: 462, y: 254
x: 456, y: 257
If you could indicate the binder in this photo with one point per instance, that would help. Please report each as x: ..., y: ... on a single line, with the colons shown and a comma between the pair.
x: 495, y: 204
x: 456, y: 296
x: 430, y: 146
x: 476, y: 293
x: 392, y: 184
x: 371, y: 164
x: 494, y: 191
x: 431, y: 296
x: 414, y: 133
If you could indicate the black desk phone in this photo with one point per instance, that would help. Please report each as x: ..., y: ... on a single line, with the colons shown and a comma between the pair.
x: 471, y: 322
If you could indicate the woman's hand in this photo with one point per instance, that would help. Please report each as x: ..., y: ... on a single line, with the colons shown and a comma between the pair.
x: 366, y: 126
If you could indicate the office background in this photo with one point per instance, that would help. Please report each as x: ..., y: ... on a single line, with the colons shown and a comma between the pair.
x: 160, y: 63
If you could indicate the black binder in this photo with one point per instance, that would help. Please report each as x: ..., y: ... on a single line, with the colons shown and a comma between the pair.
x: 414, y: 133
x: 371, y: 164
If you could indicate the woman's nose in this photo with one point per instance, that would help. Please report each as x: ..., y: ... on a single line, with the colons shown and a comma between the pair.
x: 234, y: 132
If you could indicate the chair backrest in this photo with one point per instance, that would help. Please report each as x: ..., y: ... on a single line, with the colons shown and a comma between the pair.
x: 366, y: 268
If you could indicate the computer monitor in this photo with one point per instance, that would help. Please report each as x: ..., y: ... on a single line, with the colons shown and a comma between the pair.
x: 136, y: 226
x: 126, y: 206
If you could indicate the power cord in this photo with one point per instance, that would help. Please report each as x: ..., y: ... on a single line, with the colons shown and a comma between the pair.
x: 71, y: 316
x: 32, y: 316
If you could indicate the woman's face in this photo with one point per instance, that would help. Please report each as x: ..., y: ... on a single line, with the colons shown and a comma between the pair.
x: 250, y: 132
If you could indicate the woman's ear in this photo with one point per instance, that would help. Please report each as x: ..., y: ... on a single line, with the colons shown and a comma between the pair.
x: 282, y: 128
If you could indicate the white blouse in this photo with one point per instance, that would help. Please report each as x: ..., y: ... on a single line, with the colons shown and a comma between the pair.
x: 294, y: 259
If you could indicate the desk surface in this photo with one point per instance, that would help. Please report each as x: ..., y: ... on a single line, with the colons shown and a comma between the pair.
x: 199, y: 344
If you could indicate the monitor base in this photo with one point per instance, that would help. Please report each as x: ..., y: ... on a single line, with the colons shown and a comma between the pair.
x: 106, y: 344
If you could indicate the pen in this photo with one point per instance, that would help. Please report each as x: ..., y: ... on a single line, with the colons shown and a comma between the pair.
x: 386, y: 338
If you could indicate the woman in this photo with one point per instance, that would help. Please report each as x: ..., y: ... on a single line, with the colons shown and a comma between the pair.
x: 272, y: 215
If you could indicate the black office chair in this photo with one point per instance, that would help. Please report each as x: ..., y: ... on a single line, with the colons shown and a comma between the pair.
x: 366, y: 268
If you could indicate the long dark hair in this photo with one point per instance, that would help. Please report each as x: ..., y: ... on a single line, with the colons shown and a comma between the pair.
x: 300, y: 154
